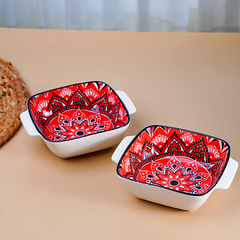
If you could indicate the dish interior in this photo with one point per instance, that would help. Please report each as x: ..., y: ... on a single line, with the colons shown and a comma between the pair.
x: 78, y: 110
x: 175, y: 159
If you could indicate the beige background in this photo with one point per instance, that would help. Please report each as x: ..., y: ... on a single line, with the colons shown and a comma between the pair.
x: 186, y: 80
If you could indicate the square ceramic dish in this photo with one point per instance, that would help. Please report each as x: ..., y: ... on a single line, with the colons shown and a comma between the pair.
x: 79, y: 118
x: 174, y: 167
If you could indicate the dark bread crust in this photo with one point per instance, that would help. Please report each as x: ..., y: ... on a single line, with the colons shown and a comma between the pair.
x: 13, y: 100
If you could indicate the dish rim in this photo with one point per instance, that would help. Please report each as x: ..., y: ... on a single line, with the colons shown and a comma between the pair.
x: 57, y: 88
x: 158, y: 186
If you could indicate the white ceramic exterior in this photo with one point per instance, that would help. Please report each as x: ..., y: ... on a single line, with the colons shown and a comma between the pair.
x: 79, y: 146
x: 168, y: 197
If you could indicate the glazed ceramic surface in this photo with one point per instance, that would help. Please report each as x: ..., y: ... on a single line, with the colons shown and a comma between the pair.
x: 175, y: 159
x: 174, y: 167
x: 79, y: 118
x: 77, y: 111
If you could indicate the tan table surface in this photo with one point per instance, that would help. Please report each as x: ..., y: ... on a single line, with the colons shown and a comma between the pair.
x: 186, y: 80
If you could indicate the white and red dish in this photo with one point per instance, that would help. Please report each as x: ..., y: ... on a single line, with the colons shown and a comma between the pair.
x: 174, y: 167
x: 79, y: 118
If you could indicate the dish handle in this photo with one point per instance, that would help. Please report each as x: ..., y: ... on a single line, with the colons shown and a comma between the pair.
x: 127, y: 101
x: 121, y: 148
x: 228, y: 175
x: 28, y: 124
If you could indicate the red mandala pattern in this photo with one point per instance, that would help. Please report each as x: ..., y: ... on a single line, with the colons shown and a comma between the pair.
x: 175, y: 159
x: 77, y: 110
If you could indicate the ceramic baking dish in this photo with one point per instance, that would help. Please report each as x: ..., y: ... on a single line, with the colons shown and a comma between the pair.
x: 174, y: 167
x: 79, y: 118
